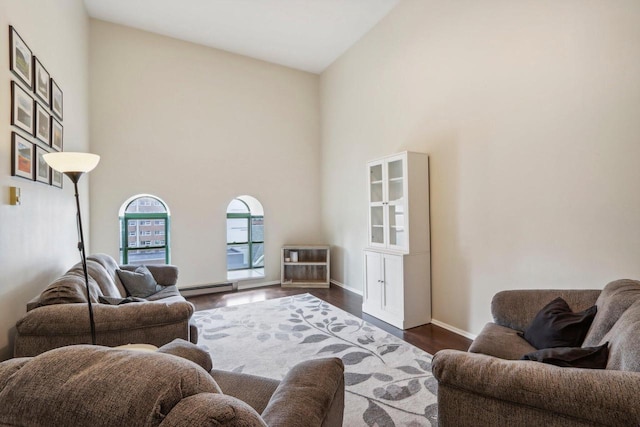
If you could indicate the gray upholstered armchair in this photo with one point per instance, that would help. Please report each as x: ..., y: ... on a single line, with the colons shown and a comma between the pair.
x: 97, y: 386
x: 489, y: 386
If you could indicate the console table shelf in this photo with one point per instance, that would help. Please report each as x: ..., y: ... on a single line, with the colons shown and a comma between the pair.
x: 311, y: 270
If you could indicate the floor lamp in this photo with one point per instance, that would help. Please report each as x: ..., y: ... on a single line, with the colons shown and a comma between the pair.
x: 74, y: 165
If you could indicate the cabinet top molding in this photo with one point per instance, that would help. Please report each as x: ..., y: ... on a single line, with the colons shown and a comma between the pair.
x: 397, y: 154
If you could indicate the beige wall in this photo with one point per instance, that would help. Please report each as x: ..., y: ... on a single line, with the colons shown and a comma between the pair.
x: 529, y: 111
x: 38, y: 239
x: 197, y: 127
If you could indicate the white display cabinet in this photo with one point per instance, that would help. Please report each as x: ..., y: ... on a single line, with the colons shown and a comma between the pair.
x: 397, y: 258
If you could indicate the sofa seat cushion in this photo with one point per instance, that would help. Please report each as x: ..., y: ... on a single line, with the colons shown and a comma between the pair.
x: 614, y: 300
x: 624, y: 341
x: 502, y: 342
x: 98, y: 386
x: 168, y: 294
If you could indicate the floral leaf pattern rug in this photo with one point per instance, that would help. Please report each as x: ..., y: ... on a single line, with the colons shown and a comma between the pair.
x: 388, y: 381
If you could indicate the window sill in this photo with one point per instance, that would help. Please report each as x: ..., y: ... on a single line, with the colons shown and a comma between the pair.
x: 249, y: 274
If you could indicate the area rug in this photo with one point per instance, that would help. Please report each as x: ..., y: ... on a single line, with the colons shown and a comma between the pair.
x: 388, y: 381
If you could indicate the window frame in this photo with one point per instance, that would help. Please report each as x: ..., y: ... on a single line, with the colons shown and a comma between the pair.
x: 150, y: 217
x: 250, y: 242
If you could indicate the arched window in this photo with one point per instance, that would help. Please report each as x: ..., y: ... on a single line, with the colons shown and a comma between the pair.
x: 245, y: 234
x: 144, y: 231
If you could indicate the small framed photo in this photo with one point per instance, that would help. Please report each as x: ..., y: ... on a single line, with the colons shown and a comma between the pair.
x: 56, y: 134
x: 42, y: 80
x: 43, y: 124
x: 21, y: 157
x: 22, y: 114
x: 20, y: 57
x: 42, y: 169
x: 56, y: 99
x: 56, y: 178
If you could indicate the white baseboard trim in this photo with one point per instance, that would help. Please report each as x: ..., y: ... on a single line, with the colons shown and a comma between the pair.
x: 454, y: 329
x: 343, y: 286
x: 245, y: 285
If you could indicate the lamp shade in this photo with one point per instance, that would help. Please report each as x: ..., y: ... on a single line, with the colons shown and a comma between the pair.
x: 72, y: 162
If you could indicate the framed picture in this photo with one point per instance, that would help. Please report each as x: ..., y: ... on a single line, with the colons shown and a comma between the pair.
x: 41, y: 168
x: 56, y: 134
x: 20, y: 57
x: 42, y: 80
x: 21, y: 157
x: 56, y: 178
x: 56, y: 99
x: 22, y: 114
x: 43, y: 124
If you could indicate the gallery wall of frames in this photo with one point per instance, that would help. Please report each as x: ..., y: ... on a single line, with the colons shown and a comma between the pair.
x: 36, y: 114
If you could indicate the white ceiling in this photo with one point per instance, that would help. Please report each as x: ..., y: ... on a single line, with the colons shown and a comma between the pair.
x: 303, y: 34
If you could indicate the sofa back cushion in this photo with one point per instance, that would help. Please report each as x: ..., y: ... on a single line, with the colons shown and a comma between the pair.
x: 624, y: 341
x: 103, y: 270
x: 69, y: 288
x: 99, y: 386
x: 614, y: 300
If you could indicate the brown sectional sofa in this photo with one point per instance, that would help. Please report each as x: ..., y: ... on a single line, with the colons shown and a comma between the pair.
x: 59, y: 316
x: 488, y: 386
x: 97, y: 386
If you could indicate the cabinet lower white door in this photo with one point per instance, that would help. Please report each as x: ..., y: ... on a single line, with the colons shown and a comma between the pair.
x: 384, y: 287
x: 397, y: 288
x: 373, y: 279
x: 393, y: 284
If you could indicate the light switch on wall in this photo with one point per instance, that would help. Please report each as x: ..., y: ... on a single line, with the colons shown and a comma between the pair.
x: 14, y: 195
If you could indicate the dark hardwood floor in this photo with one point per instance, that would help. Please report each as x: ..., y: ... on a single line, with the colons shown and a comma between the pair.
x: 429, y: 338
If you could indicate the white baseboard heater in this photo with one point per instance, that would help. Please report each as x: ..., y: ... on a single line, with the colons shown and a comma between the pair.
x: 209, y: 288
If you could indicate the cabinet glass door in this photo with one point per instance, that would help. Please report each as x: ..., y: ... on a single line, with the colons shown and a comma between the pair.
x: 377, y: 236
x: 396, y: 214
x: 377, y: 225
x: 395, y: 174
x: 375, y: 183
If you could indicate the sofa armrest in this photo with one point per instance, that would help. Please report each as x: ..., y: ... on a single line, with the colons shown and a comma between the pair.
x: 153, y: 322
x: 214, y: 410
x: 311, y: 394
x: 516, y: 309
x: 61, y: 319
x: 596, y: 396
x: 165, y: 275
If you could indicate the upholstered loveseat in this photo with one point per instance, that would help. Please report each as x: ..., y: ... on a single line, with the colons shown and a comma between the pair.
x: 489, y: 386
x: 59, y: 315
x: 97, y: 386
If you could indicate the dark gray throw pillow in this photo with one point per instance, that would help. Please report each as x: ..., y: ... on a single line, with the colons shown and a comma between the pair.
x: 572, y: 357
x: 557, y: 326
x: 139, y: 283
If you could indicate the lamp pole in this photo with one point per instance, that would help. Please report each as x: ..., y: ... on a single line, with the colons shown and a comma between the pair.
x: 75, y: 177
